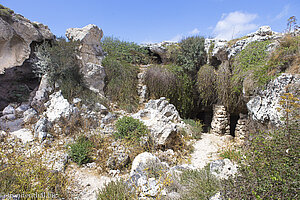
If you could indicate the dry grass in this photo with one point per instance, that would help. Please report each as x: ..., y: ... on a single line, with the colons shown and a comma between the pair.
x: 27, y: 174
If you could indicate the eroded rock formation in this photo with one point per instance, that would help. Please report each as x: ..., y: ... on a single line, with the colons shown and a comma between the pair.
x: 90, y: 56
x: 263, y: 107
x: 16, y: 38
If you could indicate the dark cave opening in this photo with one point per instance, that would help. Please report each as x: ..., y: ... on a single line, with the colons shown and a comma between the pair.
x: 205, y: 116
x: 233, y: 122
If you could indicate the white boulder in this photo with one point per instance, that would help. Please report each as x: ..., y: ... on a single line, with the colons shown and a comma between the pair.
x: 162, y: 119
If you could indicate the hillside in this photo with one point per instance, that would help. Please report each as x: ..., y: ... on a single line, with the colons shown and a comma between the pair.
x: 94, y: 117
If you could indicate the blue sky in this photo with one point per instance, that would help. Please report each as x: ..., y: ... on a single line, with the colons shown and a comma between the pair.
x: 143, y: 21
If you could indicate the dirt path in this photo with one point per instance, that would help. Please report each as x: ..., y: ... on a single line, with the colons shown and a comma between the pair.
x: 206, y: 149
x: 86, y: 182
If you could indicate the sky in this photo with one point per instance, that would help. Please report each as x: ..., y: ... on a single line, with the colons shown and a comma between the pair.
x: 152, y: 21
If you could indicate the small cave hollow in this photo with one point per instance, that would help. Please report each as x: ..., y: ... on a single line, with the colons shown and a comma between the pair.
x: 233, y: 122
x: 17, y: 83
x: 206, y: 118
x: 215, y: 62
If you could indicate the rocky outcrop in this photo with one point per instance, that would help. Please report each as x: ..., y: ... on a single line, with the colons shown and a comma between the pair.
x: 90, y: 55
x: 139, y: 175
x: 263, y: 107
x: 162, y: 119
x: 16, y: 36
x: 160, y: 49
x: 219, y: 50
x: 221, y: 121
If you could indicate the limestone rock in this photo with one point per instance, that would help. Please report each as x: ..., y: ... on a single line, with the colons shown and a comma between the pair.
x: 119, y: 158
x: 16, y: 35
x: 262, y: 34
x: 30, y: 116
x: 162, y: 119
x: 219, y: 50
x: 24, y: 134
x: 148, y: 186
x: 8, y: 110
x: 160, y: 49
x: 263, y: 107
x: 223, y: 168
x: 140, y: 161
x: 41, y: 128
x: 90, y: 55
x: 58, y: 107
x: 42, y: 94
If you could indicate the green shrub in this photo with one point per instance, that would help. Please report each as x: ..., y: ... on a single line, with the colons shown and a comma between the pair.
x: 196, y: 184
x: 191, y: 55
x: 58, y: 61
x: 130, y: 128
x: 172, y: 82
x: 271, y: 167
x: 125, y: 51
x: 196, y: 127
x: 207, y: 85
x: 117, y: 190
x: 121, y: 83
x: 251, y: 60
x: 80, y: 151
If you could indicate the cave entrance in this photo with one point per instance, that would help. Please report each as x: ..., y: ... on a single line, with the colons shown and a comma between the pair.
x: 18, y: 82
x: 205, y: 116
x: 233, y: 122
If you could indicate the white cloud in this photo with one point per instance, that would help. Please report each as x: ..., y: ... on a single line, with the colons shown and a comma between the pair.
x: 283, y: 13
x: 235, y: 24
x: 194, y: 32
x: 179, y: 37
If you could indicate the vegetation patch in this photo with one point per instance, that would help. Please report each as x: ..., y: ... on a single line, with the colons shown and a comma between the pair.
x: 6, y: 13
x: 121, y: 83
x: 130, y: 129
x: 80, y: 151
x: 195, y: 184
x: 129, y: 52
x: 172, y: 82
x: 191, y: 55
x: 196, y: 127
x: 286, y: 56
x: 117, y: 190
x: 27, y: 175
x: 207, y: 85
x: 270, y: 165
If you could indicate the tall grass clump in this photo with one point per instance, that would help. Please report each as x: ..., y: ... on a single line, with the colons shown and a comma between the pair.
x: 121, y: 83
x: 117, y: 190
x: 207, y: 85
x: 172, y: 82
x: 195, y: 184
x: 286, y: 56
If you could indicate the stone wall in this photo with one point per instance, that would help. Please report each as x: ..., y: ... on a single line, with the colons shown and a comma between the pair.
x: 241, y: 129
x: 221, y: 121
